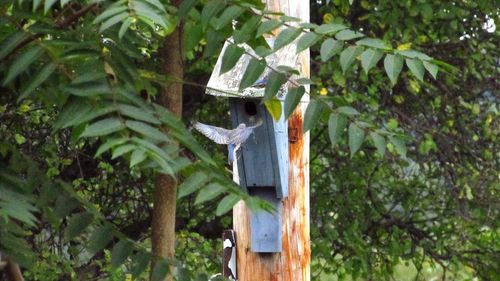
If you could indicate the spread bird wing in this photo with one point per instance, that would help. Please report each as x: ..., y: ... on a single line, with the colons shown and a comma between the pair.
x: 217, y: 134
x: 256, y: 124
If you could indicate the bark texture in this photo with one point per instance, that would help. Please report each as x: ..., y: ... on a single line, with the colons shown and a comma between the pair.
x: 165, y: 193
x: 13, y: 271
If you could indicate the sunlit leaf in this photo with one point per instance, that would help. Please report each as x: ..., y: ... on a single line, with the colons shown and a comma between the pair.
x: 274, y: 107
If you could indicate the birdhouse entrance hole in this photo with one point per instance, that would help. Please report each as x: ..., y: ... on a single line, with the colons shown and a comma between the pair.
x: 250, y: 108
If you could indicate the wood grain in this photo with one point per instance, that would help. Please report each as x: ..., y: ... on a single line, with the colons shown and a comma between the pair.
x: 293, y: 263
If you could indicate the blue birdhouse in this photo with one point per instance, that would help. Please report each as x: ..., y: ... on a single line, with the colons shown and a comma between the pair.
x: 262, y: 162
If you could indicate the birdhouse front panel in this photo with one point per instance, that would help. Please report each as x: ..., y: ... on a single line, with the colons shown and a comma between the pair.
x: 263, y: 160
x: 265, y: 227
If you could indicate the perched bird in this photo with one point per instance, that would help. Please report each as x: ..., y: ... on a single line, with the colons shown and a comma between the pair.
x: 262, y: 82
x: 233, y: 138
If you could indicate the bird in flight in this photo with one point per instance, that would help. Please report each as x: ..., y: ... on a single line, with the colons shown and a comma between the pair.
x: 232, y: 138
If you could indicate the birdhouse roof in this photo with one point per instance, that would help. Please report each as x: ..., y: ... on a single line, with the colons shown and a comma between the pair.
x: 227, y: 84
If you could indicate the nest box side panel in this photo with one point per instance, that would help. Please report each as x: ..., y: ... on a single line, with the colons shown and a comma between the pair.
x: 255, y: 157
x: 281, y: 141
x: 265, y: 227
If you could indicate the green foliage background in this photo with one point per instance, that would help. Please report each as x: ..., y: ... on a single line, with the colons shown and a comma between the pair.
x: 403, y: 120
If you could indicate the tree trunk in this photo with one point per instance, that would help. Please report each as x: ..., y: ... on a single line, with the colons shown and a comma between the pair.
x: 165, y: 193
x: 13, y: 271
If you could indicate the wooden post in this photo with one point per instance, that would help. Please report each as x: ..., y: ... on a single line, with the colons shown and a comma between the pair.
x: 293, y: 263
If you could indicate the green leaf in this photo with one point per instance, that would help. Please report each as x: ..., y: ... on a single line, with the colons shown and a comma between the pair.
x: 247, y: 30
x: 227, y: 204
x: 147, y: 130
x: 120, y: 253
x: 416, y: 67
x: 231, y: 56
x: 36, y: 3
x: 304, y: 81
x: 112, y: 21
x: 194, y: 182
x: 274, y: 83
x: 39, y: 78
x: 347, y: 110
x: 379, y: 142
x: 228, y: 16
x: 151, y: 14
x: 137, y: 157
x: 414, y: 54
x: 336, y: 126
x: 157, y: 4
x: 88, y: 89
x: 393, y: 65
x: 48, y: 5
x: 313, y: 113
x: 209, y: 192
x: 22, y: 62
x: 268, y: 26
x: 80, y: 114
x: 103, y: 127
x: 374, y: 43
x: 160, y: 270
x: 123, y: 149
x: 306, y: 41
x: 186, y: 6
x: 138, y: 114
x: 109, y: 13
x: 356, y: 137
x: 329, y: 48
x: 399, y: 145
x: 252, y: 73
x: 77, y: 224
x: 140, y: 263
x: 370, y: 58
x: 108, y: 145
x: 348, y: 35
x: 64, y: 205
x: 431, y: 68
x: 211, y: 9
x: 292, y: 99
x: 99, y: 239
x: 348, y: 56
x: 153, y: 148
x: 330, y: 28
x: 11, y: 42
x: 125, y: 25
x: 273, y: 105
x: 286, y: 37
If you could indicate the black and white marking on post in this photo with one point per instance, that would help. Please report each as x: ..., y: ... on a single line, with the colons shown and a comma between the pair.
x: 229, y: 254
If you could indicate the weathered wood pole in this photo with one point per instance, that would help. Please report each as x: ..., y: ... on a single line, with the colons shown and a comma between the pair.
x: 293, y: 263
